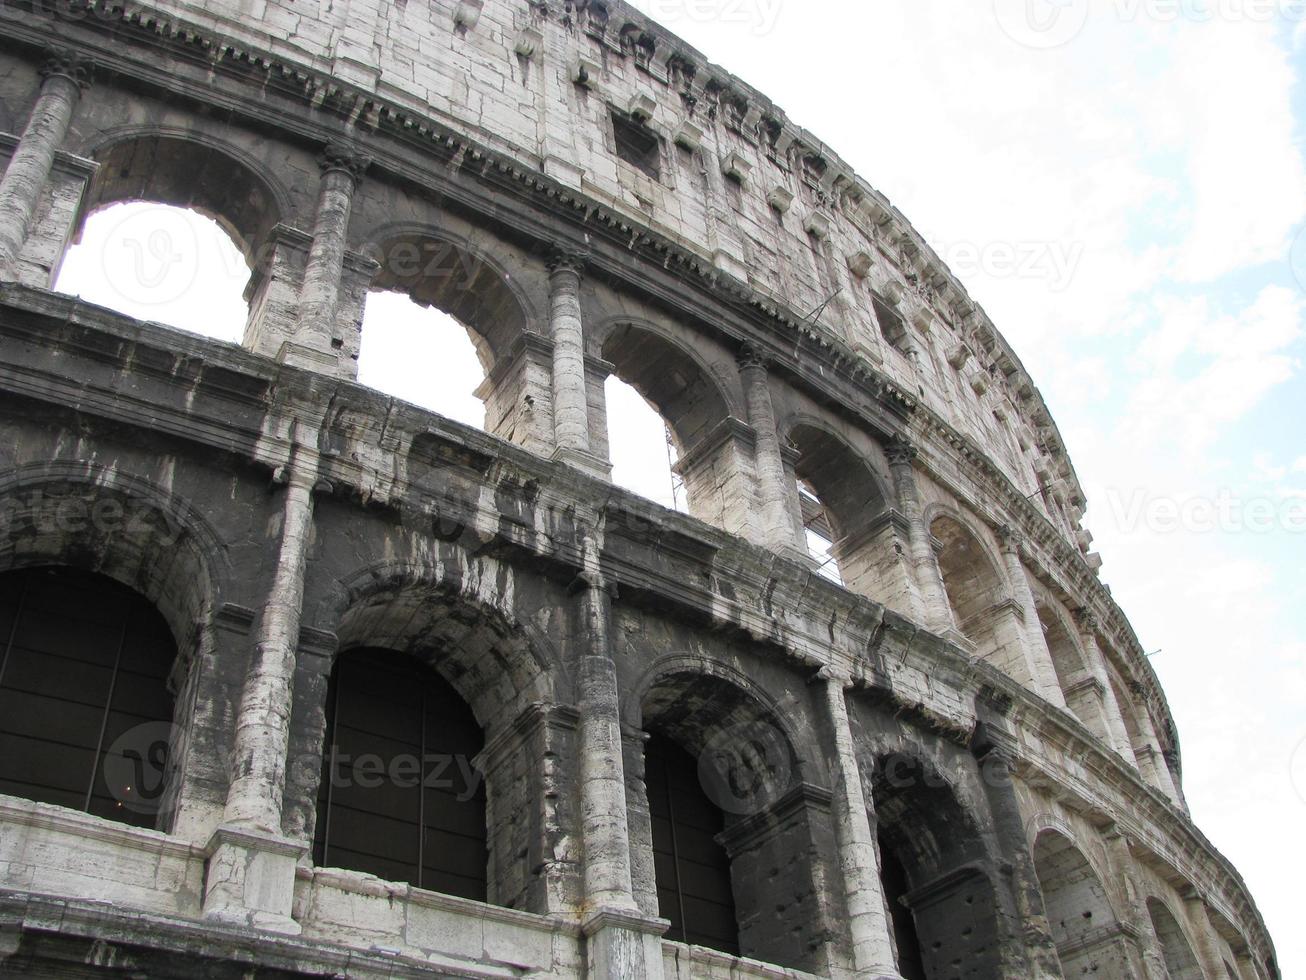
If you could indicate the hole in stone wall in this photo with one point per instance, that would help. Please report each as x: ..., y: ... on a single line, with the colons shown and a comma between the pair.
x: 162, y: 263
x: 641, y: 448
x: 638, y: 145
x: 421, y: 355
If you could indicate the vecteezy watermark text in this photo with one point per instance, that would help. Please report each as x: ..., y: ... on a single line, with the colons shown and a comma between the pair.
x: 759, y: 16
x: 1052, y: 23
x: 1226, y: 512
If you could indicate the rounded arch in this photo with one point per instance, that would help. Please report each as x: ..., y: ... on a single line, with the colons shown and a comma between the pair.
x: 668, y: 375
x: 1085, y: 927
x: 457, y: 618
x: 437, y: 268
x: 845, y: 500
x: 934, y: 870
x: 1068, y: 658
x: 972, y: 576
x: 193, y: 170
x: 1180, y: 960
x: 753, y: 813
x: 117, y: 525
x: 746, y: 751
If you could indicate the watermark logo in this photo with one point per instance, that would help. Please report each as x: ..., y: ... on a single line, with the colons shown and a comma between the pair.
x: 746, y: 767
x: 135, y: 766
x: 759, y: 17
x: 1226, y: 513
x: 65, y: 514
x: 451, y: 772
x: 1054, y: 263
x: 1041, y: 24
x: 153, y: 257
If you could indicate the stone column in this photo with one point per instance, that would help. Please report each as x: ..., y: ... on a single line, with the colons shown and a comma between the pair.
x: 621, y: 940
x: 1151, y: 759
x: 63, y: 78
x: 1041, y: 668
x: 869, y: 926
x: 570, y: 404
x: 925, y: 563
x: 774, y: 491
x: 1150, y: 960
x: 318, y: 335
x: 994, y: 750
x: 1087, y: 625
x: 251, y: 871
x: 1207, y: 949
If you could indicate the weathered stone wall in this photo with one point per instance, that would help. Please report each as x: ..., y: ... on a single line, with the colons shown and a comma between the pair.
x: 278, y: 513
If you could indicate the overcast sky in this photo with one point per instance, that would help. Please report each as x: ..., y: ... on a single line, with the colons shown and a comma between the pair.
x: 1122, y: 189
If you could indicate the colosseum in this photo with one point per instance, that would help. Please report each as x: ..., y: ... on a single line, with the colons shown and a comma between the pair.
x: 356, y: 690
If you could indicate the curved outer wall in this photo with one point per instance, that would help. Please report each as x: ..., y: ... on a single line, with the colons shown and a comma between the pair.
x: 589, y: 197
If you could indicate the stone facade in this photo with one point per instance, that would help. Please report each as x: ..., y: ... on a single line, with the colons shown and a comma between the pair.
x: 589, y: 197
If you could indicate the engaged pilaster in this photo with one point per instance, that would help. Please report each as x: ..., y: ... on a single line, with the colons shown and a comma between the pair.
x: 925, y: 563
x: 1041, y: 668
x: 1117, y: 733
x: 571, y: 427
x: 777, y: 499
x: 1149, y: 963
x: 251, y: 868
x: 868, y: 923
x: 64, y: 76
x: 318, y: 338
x: 994, y: 751
x: 621, y: 940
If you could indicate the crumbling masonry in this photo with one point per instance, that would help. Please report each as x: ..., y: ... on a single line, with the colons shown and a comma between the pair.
x: 957, y: 765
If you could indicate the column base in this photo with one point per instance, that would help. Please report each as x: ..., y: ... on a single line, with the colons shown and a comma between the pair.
x: 584, y: 461
x: 250, y: 880
x: 302, y: 356
x: 623, y: 944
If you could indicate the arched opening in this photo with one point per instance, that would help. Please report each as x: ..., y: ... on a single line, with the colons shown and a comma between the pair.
x: 982, y: 607
x: 160, y: 263
x: 932, y: 857
x: 85, y: 705
x: 421, y: 355
x: 906, y: 941
x: 970, y: 579
x: 452, y: 632
x: 692, y: 868
x: 400, y: 796
x: 843, y: 503
x: 1082, y: 691
x: 728, y: 764
x: 641, y: 448
x: 172, y: 232
x: 668, y: 460
x: 443, y: 329
x: 1180, y: 960
x: 1084, y: 926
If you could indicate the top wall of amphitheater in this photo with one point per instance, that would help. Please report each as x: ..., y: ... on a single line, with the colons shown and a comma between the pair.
x: 757, y: 212
x: 755, y: 197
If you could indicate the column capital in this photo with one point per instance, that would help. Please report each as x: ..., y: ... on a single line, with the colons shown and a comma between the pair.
x: 752, y: 356
x: 344, y: 157
x: 901, y: 451
x: 1010, y: 539
x: 1086, y: 620
x: 563, y: 260
x: 835, y: 675
x: 66, y: 63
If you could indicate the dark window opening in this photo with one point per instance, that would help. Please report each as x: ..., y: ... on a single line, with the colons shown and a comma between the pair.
x: 892, y: 325
x: 84, y: 702
x: 400, y: 798
x: 893, y: 877
x: 637, y: 144
x: 692, y: 868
